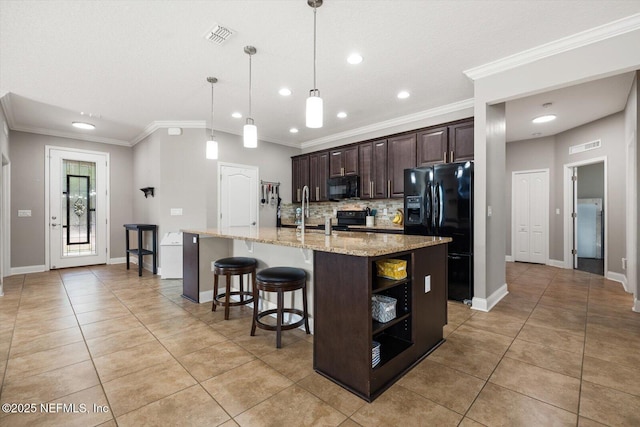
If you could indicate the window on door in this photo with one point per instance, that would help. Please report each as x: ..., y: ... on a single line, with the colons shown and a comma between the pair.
x: 78, y: 208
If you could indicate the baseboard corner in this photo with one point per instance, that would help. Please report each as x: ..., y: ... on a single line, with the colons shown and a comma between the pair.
x: 636, y: 306
x: 556, y: 263
x: 508, y: 258
x: 486, y: 304
x: 28, y: 269
x: 618, y: 277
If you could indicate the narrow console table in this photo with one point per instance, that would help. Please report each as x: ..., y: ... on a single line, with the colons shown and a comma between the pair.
x: 140, y: 252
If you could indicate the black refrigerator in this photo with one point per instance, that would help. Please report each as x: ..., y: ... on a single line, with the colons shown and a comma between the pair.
x: 439, y: 202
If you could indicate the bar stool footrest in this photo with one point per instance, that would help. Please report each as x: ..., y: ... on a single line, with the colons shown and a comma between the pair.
x: 217, y: 298
x: 285, y: 326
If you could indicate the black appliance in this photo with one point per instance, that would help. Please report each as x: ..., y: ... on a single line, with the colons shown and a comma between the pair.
x: 439, y: 201
x: 346, y: 218
x: 343, y: 187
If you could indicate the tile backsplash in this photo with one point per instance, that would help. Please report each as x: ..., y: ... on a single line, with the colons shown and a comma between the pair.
x: 318, y: 211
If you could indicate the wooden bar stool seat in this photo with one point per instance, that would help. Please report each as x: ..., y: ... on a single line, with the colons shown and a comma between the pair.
x: 233, y: 266
x: 280, y: 280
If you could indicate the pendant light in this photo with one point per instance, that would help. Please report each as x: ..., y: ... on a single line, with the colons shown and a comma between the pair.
x: 250, y: 131
x: 314, y: 102
x: 212, y: 144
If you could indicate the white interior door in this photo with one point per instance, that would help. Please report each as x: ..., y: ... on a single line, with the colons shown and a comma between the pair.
x: 530, y: 200
x: 238, y: 191
x: 77, y: 214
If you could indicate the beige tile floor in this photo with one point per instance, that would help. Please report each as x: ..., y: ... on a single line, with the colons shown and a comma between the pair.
x: 563, y: 348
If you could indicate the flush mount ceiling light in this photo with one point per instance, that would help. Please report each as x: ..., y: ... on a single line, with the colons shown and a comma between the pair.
x: 293, y: 130
x: 83, y: 125
x: 236, y: 115
x: 250, y: 131
x: 314, y: 102
x: 354, y: 59
x: 544, y: 119
x: 403, y: 94
x: 212, y: 144
x: 341, y: 115
x: 284, y: 91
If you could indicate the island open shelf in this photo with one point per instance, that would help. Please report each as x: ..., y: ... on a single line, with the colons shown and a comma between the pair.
x: 344, y: 327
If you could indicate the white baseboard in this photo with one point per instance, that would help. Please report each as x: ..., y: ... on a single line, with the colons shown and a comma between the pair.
x: 28, y: 269
x: 636, y: 306
x: 618, y: 277
x: 556, y: 263
x: 482, y: 304
x: 508, y: 258
x: 120, y: 260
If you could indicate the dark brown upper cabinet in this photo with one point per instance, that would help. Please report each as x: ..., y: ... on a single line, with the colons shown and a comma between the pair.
x: 461, y: 142
x: 401, y: 155
x: 318, y: 174
x: 433, y: 145
x: 446, y: 144
x: 300, y: 176
x: 343, y: 161
x: 372, y: 169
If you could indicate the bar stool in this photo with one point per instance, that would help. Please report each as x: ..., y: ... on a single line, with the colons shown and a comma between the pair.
x: 280, y: 280
x: 233, y: 266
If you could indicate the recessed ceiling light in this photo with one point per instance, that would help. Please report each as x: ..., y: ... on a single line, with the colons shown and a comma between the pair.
x: 544, y: 119
x: 284, y: 91
x: 236, y: 115
x: 341, y: 115
x: 293, y: 130
x: 403, y: 94
x: 354, y: 59
x: 83, y: 125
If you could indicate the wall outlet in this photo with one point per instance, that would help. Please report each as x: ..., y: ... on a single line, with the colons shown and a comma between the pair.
x: 427, y: 284
x: 558, y: 211
x: 176, y: 211
x: 489, y: 211
x: 24, y: 213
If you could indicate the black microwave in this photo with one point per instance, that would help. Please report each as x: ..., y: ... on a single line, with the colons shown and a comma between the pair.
x: 343, y: 187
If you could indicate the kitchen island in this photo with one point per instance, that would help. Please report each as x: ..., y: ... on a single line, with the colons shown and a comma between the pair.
x: 342, y: 276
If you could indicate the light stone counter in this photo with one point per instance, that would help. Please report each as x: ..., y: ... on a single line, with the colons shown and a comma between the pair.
x: 340, y: 242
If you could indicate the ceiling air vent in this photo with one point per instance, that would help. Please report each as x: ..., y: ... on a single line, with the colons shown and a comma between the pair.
x: 218, y: 34
x: 592, y: 145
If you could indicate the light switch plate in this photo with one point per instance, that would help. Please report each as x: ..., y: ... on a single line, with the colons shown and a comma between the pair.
x: 427, y: 284
x: 176, y: 211
x: 24, y: 212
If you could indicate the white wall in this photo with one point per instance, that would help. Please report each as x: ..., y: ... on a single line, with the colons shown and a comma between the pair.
x: 184, y: 179
x: 631, y: 119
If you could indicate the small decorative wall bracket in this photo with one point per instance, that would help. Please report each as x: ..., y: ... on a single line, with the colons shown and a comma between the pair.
x: 147, y: 191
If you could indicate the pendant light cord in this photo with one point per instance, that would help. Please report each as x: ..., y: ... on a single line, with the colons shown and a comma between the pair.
x: 212, y: 111
x: 250, y: 85
x: 314, y: 47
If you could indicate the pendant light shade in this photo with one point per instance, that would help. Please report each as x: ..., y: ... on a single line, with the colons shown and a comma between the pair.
x: 250, y: 134
x: 212, y: 144
x: 314, y: 102
x: 212, y: 149
x: 250, y: 131
x: 314, y: 109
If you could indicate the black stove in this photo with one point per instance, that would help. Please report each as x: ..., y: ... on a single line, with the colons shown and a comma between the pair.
x: 346, y: 218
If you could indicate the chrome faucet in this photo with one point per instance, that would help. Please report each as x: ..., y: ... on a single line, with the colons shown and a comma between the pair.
x: 305, y: 195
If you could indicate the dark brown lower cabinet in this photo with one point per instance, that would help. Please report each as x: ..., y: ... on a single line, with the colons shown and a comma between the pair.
x: 344, y: 329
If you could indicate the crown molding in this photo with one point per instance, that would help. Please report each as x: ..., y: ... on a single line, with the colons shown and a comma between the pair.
x: 87, y: 138
x: 160, y: 124
x: 574, y: 41
x: 421, y: 115
x: 5, y: 101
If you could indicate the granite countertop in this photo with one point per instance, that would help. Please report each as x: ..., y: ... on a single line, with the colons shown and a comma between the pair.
x: 341, y: 242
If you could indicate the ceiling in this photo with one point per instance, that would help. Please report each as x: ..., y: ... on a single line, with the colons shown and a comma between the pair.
x: 129, y: 65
